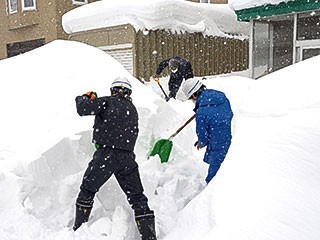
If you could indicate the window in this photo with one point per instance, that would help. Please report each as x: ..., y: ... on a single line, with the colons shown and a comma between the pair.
x: 14, y: 49
x: 13, y: 6
x: 28, y: 4
x: 79, y: 2
x: 308, y: 26
x: 204, y: 1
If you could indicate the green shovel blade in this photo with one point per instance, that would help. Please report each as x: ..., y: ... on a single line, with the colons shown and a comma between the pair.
x: 163, y: 148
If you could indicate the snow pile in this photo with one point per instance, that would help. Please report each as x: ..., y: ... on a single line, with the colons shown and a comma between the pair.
x: 242, y: 4
x: 173, y: 15
x: 267, y: 188
x: 45, y: 148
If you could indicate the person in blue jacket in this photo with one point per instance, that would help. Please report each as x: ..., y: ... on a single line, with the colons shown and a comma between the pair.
x: 213, y: 122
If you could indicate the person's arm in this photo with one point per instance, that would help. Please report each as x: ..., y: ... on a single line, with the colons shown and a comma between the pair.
x: 189, y: 72
x: 202, y: 130
x: 162, y: 66
x: 86, y: 106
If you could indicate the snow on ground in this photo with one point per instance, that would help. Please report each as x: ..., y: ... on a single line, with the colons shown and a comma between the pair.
x: 242, y: 4
x: 45, y: 147
x: 267, y: 188
x: 174, y: 15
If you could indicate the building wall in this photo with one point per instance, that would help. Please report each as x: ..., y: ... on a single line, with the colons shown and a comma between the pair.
x: 208, y: 55
x: 44, y: 22
x: 122, y: 34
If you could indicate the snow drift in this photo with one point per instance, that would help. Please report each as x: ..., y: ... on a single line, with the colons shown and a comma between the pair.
x: 173, y: 15
x: 267, y: 188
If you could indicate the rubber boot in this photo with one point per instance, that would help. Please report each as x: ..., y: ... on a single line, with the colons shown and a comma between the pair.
x: 83, y: 210
x: 146, y: 226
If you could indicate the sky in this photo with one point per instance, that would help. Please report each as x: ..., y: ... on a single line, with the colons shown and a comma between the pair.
x: 267, y: 187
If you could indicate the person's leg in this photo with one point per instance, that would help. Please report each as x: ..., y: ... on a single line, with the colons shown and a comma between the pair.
x: 98, y: 172
x: 212, y: 171
x: 130, y: 182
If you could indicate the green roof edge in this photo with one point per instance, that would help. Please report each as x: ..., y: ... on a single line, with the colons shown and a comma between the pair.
x: 281, y: 8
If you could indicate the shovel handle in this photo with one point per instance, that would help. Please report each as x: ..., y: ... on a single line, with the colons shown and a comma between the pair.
x: 164, y: 93
x: 182, y: 127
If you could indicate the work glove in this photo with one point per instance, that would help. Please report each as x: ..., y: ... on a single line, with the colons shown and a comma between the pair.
x: 172, y: 95
x: 196, y: 144
x: 90, y: 95
x: 155, y: 77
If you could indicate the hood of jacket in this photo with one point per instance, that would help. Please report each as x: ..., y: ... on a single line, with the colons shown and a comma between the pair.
x: 210, y: 97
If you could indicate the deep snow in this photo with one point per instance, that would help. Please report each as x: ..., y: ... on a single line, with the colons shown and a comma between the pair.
x: 173, y: 15
x: 267, y: 188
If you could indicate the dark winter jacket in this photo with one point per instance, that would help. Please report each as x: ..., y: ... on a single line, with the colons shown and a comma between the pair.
x: 116, y: 120
x: 213, y: 124
x: 184, y: 72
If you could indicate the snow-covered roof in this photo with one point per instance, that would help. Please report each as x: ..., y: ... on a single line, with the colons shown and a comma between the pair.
x: 174, y: 15
x: 242, y: 4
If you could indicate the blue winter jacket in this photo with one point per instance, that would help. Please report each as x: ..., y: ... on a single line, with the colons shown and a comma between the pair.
x: 213, y: 120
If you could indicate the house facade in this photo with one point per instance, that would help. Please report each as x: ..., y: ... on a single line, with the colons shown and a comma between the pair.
x: 28, y: 24
x: 281, y: 34
x: 141, y: 53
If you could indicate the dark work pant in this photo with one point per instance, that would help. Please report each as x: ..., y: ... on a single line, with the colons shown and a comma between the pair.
x: 108, y: 161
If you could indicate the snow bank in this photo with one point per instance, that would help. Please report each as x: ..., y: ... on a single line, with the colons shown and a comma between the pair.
x: 242, y: 4
x: 173, y: 15
x: 267, y: 188
x: 45, y: 147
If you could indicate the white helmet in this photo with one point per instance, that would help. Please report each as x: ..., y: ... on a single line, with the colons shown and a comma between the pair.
x: 121, y: 82
x: 190, y: 86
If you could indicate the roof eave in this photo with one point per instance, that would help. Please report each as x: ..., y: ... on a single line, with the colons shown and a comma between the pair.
x: 281, y: 8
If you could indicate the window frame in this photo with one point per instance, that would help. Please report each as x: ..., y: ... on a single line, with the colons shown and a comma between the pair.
x: 77, y: 2
x: 10, y: 7
x: 29, y: 8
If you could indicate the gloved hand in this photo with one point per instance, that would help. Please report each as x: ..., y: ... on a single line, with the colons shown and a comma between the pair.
x: 172, y: 95
x: 90, y: 95
x: 155, y: 77
x: 196, y: 144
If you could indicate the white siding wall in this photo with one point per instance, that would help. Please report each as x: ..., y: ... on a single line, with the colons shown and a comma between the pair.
x: 122, y: 53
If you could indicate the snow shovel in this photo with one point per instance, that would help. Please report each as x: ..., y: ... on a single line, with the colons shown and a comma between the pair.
x: 163, y: 146
x: 165, y: 95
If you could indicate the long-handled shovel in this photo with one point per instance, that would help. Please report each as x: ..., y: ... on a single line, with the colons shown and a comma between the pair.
x: 165, y: 95
x: 163, y: 146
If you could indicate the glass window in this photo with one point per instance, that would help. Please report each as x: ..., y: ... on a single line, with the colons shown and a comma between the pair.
x: 310, y: 52
x: 79, y: 2
x: 308, y: 26
x: 13, y: 6
x: 28, y: 4
x: 282, y: 43
x: 261, y: 49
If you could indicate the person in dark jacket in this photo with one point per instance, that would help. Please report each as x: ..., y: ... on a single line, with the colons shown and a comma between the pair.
x: 180, y: 69
x: 115, y: 133
x: 213, y: 123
